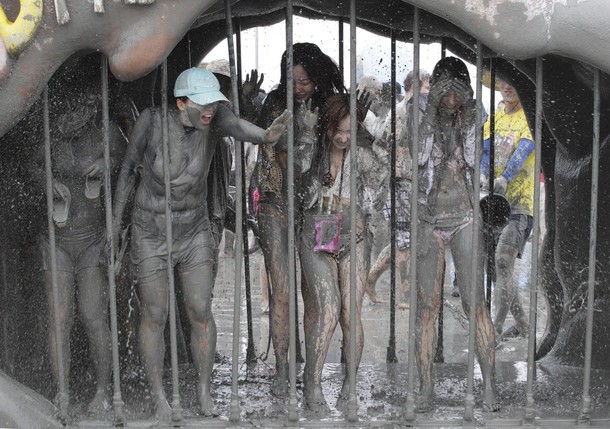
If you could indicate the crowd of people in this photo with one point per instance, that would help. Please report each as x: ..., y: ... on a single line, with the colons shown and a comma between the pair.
x: 202, y: 129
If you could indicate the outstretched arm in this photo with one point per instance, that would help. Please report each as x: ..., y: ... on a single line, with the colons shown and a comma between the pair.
x: 524, y: 148
x: 133, y: 157
x: 231, y: 125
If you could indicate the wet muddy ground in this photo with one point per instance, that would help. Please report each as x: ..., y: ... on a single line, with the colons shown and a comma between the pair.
x: 381, y: 387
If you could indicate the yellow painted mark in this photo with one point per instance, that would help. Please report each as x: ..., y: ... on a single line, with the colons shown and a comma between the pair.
x: 18, y: 34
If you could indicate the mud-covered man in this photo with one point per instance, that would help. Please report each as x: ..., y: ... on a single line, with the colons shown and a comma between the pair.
x: 195, y: 126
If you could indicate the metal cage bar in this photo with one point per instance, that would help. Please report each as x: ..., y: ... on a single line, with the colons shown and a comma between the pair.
x: 585, y: 412
x: 176, y: 407
x: 409, y: 408
x: 352, y: 404
x: 62, y: 395
x: 530, y: 411
x: 234, y: 412
x: 292, y: 311
x: 477, y: 282
x: 250, y: 350
x: 117, y: 401
x: 391, y: 350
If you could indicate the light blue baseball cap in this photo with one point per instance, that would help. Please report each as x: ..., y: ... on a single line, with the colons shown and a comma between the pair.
x: 200, y: 85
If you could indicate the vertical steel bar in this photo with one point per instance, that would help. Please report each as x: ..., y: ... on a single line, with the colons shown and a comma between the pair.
x: 530, y: 412
x: 391, y: 351
x: 585, y: 411
x: 292, y: 402
x: 176, y: 407
x: 234, y: 410
x: 117, y: 401
x: 439, y: 357
x: 477, y: 282
x: 62, y: 395
x: 341, y: 47
x: 241, y: 188
x: 352, y: 404
x: 491, y: 246
x: 409, y: 408
x: 4, y: 308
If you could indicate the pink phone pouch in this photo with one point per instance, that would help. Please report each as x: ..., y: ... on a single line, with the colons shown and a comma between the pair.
x: 328, y: 233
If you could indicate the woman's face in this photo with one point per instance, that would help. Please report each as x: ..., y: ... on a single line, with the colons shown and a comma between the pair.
x: 304, y: 87
x: 341, y: 139
x: 451, y: 102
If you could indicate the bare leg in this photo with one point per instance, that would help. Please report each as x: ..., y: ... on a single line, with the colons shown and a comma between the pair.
x: 264, y: 286
x: 65, y: 286
x: 154, y: 300
x: 93, y: 305
x: 197, y: 287
x: 321, y: 299
x: 344, y: 319
x: 381, y: 264
x: 506, y: 296
x: 485, y: 342
x: 274, y: 235
x: 403, y: 269
x: 429, y: 282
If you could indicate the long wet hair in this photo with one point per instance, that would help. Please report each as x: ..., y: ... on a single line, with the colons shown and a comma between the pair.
x: 320, y: 68
x: 336, y: 108
x: 451, y: 68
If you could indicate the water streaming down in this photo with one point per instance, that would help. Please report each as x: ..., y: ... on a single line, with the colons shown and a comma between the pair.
x: 380, y: 388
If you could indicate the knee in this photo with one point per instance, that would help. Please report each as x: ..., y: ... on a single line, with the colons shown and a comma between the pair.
x: 94, y: 321
x: 155, y: 315
x: 199, y: 312
x: 503, y: 261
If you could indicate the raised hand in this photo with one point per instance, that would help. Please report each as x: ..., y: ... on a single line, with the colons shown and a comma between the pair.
x: 252, y: 84
x: 438, y: 91
x: 463, y: 90
x: 277, y: 128
x: 95, y: 170
x: 500, y: 185
x: 364, y: 98
x: 308, y: 119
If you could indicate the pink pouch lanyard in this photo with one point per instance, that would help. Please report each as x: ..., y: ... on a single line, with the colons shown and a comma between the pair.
x: 328, y: 226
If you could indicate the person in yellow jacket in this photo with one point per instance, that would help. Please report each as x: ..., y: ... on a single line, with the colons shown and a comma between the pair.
x: 513, y: 178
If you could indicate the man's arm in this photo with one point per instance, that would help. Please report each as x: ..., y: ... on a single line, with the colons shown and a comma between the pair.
x: 485, y: 158
x: 524, y: 148
x: 133, y: 157
x: 242, y: 130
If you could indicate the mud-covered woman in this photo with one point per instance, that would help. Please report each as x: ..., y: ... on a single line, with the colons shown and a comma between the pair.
x: 446, y: 200
x: 315, y: 78
x: 325, y: 241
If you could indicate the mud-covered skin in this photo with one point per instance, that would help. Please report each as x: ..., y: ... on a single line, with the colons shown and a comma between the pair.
x: 446, y: 158
x: 327, y: 287
x: 77, y: 159
x: 270, y: 176
x: 326, y: 297
x: 571, y: 29
x: 193, y: 134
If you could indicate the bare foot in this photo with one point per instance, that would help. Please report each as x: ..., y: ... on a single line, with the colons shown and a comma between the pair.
x: 489, y: 400
x: 403, y: 305
x: 343, y: 398
x: 207, y: 406
x: 372, y: 294
x: 99, y: 403
x: 424, y: 404
x: 163, y: 411
x: 279, y: 385
x: 62, y: 401
x: 342, y: 402
x: 315, y: 401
